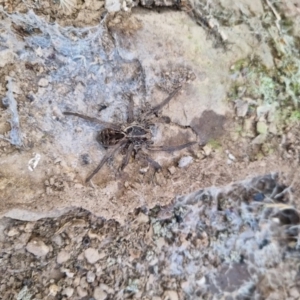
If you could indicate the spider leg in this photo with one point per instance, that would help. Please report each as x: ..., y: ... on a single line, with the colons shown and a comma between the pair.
x: 154, y: 164
x: 171, y: 148
x: 91, y: 119
x: 127, y: 157
x: 130, y: 117
x: 158, y: 107
x: 106, y: 157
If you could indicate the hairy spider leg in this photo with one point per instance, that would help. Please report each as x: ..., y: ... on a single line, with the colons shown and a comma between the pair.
x: 154, y: 164
x: 110, y: 153
x: 127, y: 156
x: 171, y: 148
x: 130, y: 117
x: 93, y: 120
x: 158, y: 107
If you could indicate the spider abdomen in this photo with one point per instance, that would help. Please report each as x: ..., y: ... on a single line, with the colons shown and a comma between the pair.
x: 109, y: 137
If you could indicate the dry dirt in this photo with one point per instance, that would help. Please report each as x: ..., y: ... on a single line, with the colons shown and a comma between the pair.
x: 138, y: 234
x: 137, y: 62
x: 55, y: 68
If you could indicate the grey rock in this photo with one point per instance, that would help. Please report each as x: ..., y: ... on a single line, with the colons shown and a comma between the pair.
x: 37, y: 247
x: 172, y: 170
x: 6, y: 57
x: 185, y: 161
x: 294, y: 292
x: 12, y: 232
x: 260, y: 139
x: 171, y: 295
x: 113, y: 5
x: 81, y: 292
x: 241, y: 107
x: 43, y: 82
x: 99, y: 294
x: 207, y: 149
x: 91, y: 255
x: 62, y: 257
x: 90, y: 276
x: 68, y: 291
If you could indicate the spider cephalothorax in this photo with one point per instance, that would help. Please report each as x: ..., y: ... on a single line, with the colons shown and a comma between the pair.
x: 132, y: 137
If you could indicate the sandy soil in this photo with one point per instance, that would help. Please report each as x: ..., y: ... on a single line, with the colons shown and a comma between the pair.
x: 88, y: 61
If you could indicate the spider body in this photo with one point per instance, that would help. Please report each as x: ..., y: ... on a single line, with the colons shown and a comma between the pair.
x: 135, y: 136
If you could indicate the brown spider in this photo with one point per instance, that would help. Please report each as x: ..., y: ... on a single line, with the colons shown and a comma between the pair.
x: 133, y: 137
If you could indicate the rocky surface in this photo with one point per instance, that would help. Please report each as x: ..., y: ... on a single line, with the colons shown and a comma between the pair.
x: 141, y: 234
x: 49, y: 69
x: 212, y: 243
x: 93, y: 75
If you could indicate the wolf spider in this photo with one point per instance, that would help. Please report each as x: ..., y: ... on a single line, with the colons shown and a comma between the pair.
x: 134, y: 136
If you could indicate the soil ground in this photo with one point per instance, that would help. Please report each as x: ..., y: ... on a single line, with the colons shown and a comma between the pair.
x: 184, y: 232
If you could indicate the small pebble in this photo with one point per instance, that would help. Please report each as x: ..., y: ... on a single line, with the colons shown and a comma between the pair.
x: 91, y: 255
x: 99, y: 294
x: 172, y: 170
x: 261, y: 127
x: 37, y: 247
x: 142, y: 219
x: 48, y: 190
x: 144, y: 170
x: 68, y: 273
x: 231, y: 157
x: 171, y: 295
x: 294, y: 293
x: 12, y: 232
x: 43, y: 82
x: 185, y: 285
x: 260, y: 139
x: 58, y: 240
x: 207, y: 149
x: 29, y: 227
x: 229, y: 162
x: 68, y: 291
x: 76, y: 281
x: 83, y: 283
x: 80, y: 256
x: 259, y: 197
x: 106, y: 288
x: 185, y: 161
x: 2, y: 287
x: 51, y: 181
x: 241, y: 107
x: 53, y: 290
x: 81, y: 292
x: 90, y: 276
x: 62, y: 257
